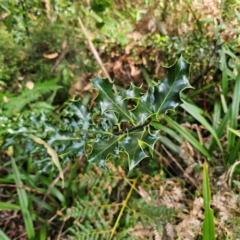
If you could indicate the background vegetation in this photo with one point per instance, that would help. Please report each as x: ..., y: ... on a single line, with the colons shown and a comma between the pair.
x: 49, y: 51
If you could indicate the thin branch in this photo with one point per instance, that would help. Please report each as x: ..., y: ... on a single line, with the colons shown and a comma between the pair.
x: 51, y: 186
x: 180, y: 167
x: 122, y: 209
x: 95, y: 53
x: 59, y: 59
x: 133, y: 129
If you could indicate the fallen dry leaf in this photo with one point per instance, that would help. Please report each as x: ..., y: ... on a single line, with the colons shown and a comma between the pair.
x: 5, y: 99
x: 30, y: 85
x: 52, y: 153
x: 51, y: 55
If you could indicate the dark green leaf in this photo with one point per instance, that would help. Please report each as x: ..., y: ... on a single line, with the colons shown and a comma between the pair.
x: 110, y: 102
x: 134, y: 145
x: 104, y: 148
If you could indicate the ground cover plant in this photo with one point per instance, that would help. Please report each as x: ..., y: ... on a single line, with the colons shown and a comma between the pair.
x: 90, y: 147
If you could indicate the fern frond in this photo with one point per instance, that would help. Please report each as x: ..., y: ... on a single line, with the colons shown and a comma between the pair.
x: 97, y: 217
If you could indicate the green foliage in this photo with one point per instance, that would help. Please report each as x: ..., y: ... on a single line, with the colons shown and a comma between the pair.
x: 23, y: 202
x: 208, y: 223
x: 102, y: 135
x: 28, y: 96
x: 8, y: 57
x: 149, y: 106
x: 100, y: 6
x: 94, y: 216
x: 121, y: 126
x: 3, y: 235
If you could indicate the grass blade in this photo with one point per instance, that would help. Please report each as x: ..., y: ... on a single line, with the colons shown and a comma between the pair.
x: 3, y: 236
x: 23, y: 199
x: 235, y: 131
x: 146, y: 77
x: 52, y: 153
x: 234, y: 114
x: 167, y: 130
x: 9, y: 206
x: 216, y: 115
x: 189, y: 137
x: 193, y: 110
x: 168, y: 143
x: 223, y: 67
x: 208, y: 223
x: 219, y: 131
x: 42, y: 233
x: 224, y: 103
x: 234, y: 153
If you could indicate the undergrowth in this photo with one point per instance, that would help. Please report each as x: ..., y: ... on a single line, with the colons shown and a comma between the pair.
x: 45, y: 58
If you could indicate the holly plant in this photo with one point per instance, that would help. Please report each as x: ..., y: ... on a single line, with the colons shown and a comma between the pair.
x: 119, y: 125
x: 124, y: 125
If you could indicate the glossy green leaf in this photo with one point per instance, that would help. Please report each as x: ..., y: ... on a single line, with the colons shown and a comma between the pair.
x: 134, y: 145
x: 165, y: 95
x: 159, y: 98
x: 109, y: 101
x: 144, y: 108
x: 119, y: 122
x: 103, y: 148
x: 167, y: 92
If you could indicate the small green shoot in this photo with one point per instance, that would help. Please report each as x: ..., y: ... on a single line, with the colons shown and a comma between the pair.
x: 208, y: 223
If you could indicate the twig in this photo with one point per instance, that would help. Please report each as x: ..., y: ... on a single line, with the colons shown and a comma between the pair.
x: 95, y: 53
x: 23, y: 187
x: 59, y: 59
x: 179, y: 166
x: 129, y: 183
x: 54, y: 182
x: 230, y: 173
x: 132, y: 129
x: 123, y: 207
x: 60, y: 231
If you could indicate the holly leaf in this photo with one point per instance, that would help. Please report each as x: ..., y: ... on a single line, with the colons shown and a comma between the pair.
x: 165, y: 95
x: 161, y: 97
x: 134, y: 145
x: 167, y: 91
x: 104, y: 148
x: 110, y: 102
x: 144, y: 108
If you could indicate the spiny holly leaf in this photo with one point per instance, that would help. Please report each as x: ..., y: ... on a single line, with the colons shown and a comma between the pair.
x: 165, y: 95
x: 132, y: 93
x: 159, y: 98
x: 77, y: 116
x: 103, y: 148
x: 144, y: 108
x: 110, y: 102
x: 108, y: 122
x: 167, y: 92
x: 134, y: 145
